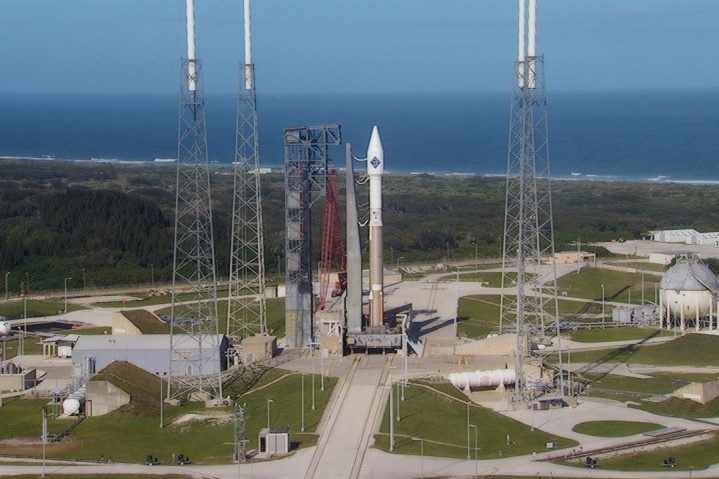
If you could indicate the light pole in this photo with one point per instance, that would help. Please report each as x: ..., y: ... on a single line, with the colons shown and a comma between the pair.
x: 152, y: 275
x: 398, y: 402
x: 302, y: 426
x: 469, y: 454
x: 27, y: 283
x: 476, y: 256
x: 162, y: 418
x: 391, y: 420
x: 313, y: 378
x: 316, y: 346
x: 269, y: 401
x: 421, y: 454
x: 476, y: 447
x: 7, y: 286
x: 602, y: 304
x: 66, y: 293
x: 642, y: 287
x: 84, y: 284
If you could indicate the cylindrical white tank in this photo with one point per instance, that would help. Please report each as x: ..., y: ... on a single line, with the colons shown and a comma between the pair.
x: 5, y: 328
x: 686, y: 289
x: 487, y: 378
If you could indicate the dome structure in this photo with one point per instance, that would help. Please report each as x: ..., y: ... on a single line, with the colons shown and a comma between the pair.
x: 687, y: 292
x: 5, y: 327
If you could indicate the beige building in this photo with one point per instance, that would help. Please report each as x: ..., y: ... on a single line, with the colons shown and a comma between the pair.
x: 570, y: 257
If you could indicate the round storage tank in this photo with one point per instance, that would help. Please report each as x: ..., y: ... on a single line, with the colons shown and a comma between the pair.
x: 71, y: 405
x: 5, y: 328
x: 687, y: 288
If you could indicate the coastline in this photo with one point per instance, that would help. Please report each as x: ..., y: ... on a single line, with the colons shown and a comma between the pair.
x: 277, y: 168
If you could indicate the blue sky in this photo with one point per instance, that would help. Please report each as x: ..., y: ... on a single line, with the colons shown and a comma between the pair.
x: 315, y: 46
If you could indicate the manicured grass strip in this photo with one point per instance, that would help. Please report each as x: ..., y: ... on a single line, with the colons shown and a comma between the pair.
x: 675, y: 407
x: 626, y: 383
x: 687, y: 377
x: 618, y: 285
x: 689, y: 350
x: 699, y: 455
x: 445, y: 428
x: 36, y: 308
x: 615, y: 428
x: 599, y: 335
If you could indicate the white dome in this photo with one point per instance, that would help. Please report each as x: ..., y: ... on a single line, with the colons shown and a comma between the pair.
x: 689, y: 275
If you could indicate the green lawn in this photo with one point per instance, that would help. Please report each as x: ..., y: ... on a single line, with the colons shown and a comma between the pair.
x: 598, y: 334
x: 618, y: 285
x: 630, y: 384
x: 36, y: 308
x: 109, y: 435
x: 688, y: 350
x: 688, y: 377
x: 698, y: 455
x: 445, y: 429
x: 615, y: 428
x: 675, y: 407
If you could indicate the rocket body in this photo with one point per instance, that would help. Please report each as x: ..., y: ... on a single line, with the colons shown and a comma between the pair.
x: 375, y: 169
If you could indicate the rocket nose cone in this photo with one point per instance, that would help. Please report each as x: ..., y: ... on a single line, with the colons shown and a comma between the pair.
x: 375, y: 153
x: 375, y: 145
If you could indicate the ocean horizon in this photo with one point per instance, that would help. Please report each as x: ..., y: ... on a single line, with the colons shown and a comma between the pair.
x: 661, y: 136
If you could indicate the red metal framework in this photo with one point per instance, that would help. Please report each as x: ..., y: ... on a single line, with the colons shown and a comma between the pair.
x: 332, y: 255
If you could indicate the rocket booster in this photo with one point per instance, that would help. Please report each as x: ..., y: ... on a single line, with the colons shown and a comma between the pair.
x: 375, y: 169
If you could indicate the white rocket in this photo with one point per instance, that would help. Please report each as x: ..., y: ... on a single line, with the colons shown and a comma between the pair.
x: 375, y: 169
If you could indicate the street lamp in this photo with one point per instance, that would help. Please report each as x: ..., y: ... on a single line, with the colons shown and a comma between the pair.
x: 602, y: 303
x: 476, y: 256
x: 269, y: 401
x: 84, y: 284
x: 66, y: 293
x: 27, y: 284
x: 421, y: 454
x: 476, y: 447
x: 7, y: 286
x: 469, y: 455
x: 302, y: 427
x: 162, y: 421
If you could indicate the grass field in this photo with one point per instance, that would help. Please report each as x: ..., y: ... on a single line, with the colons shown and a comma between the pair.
x: 688, y: 350
x: 618, y: 285
x: 107, y: 436
x: 698, y: 455
x: 36, y: 308
x: 615, y: 428
x: 630, y: 384
x: 598, y: 335
x: 444, y: 430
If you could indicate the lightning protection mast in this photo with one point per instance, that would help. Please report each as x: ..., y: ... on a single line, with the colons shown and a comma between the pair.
x: 528, y: 227
x: 246, y: 313
x: 194, y: 338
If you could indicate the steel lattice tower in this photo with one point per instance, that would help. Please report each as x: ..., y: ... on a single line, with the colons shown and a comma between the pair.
x: 246, y: 313
x: 306, y: 170
x: 528, y: 225
x: 194, y: 338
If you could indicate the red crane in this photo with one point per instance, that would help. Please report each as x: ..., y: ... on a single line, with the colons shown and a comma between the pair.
x: 332, y: 255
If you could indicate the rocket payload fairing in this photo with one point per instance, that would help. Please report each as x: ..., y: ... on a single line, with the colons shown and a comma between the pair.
x: 375, y: 169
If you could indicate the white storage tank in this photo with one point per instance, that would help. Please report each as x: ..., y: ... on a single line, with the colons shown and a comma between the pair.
x: 487, y: 378
x: 5, y: 327
x: 687, y: 290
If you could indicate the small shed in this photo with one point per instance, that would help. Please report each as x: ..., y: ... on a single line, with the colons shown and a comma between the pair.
x: 272, y: 441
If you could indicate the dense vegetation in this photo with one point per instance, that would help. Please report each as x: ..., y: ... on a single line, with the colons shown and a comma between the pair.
x: 114, y: 223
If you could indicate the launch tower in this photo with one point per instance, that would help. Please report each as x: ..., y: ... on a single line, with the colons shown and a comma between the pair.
x: 246, y: 313
x: 306, y: 171
x: 194, y: 338
x: 528, y: 227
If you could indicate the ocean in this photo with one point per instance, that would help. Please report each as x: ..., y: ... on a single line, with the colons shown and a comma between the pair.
x: 658, y: 136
